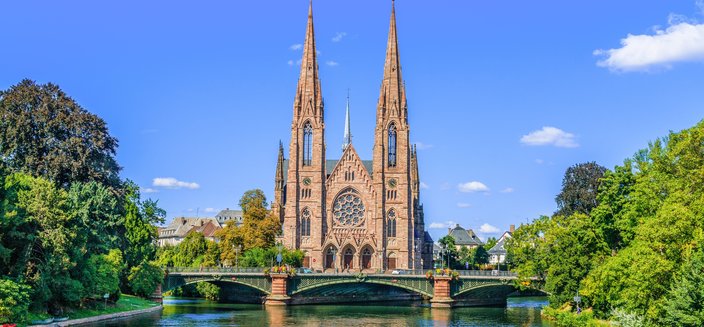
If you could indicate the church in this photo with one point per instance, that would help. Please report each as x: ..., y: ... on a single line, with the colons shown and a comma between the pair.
x: 352, y: 214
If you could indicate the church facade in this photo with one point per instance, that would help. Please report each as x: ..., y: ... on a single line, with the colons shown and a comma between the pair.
x: 361, y: 215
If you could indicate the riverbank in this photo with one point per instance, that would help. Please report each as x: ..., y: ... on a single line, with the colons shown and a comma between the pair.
x: 127, y: 306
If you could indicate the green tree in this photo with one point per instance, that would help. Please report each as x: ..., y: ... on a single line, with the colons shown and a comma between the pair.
x: 46, y: 133
x: 579, y: 189
x: 14, y: 301
x: 490, y: 243
x: 144, y: 279
x: 481, y: 257
x: 140, y: 232
x: 684, y: 304
x: 449, y: 257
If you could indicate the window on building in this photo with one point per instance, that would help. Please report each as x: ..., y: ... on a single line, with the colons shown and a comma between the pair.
x: 305, y: 222
x: 307, y: 144
x: 392, y: 145
x: 391, y: 223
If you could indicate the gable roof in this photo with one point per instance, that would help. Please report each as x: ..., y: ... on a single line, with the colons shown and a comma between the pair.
x: 464, y: 237
x: 330, y: 166
x: 499, y: 247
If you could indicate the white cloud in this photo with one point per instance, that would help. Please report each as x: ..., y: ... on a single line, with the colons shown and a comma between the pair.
x: 464, y: 205
x: 681, y: 41
x: 296, y: 47
x: 211, y: 210
x: 424, y: 186
x: 508, y: 190
x: 173, y: 183
x: 290, y: 62
x: 338, y: 37
x: 423, y: 146
x: 442, y: 225
x: 149, y: 190
x: 539, y: 161
x: 488, y: 229
x: 471, y: 187
x: 332, y: 63
x: 550, y: 136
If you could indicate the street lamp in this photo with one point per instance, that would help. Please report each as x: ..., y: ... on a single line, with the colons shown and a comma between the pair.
x: 442, y: 255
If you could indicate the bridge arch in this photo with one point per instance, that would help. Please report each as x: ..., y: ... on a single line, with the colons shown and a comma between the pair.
x: 175, y: 282
x: 427, y: 291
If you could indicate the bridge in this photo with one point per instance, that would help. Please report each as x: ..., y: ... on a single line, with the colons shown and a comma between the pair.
x: 471, y: 288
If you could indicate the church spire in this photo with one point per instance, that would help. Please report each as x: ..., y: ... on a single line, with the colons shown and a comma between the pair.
x: 309, y: 99
x: 392, y: 101
x: 348, y: 132
x: 280, y: 169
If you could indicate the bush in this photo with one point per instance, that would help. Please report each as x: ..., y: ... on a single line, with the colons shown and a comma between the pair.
x: 14, y: 301
x: 145, y: 278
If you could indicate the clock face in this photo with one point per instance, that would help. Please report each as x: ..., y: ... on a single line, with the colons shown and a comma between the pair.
x: 306, y: 181
x: 392, y: 182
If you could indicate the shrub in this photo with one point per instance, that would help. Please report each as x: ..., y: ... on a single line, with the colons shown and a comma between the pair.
x: 145, y: 278
x: 14, y: 301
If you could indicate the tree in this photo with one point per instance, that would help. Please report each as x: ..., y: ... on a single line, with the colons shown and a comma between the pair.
x: 490, y: 243
x: 684, y: 304
x: 259, y: 228
x: 579, y: 189
x: 140, y: 233
x: 46, y: 133
x: 450, y: 255
x: 481, y: 257
x: 14, y: 301
x: 145, y: 278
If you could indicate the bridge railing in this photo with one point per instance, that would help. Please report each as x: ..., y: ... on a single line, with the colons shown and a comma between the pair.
x: 215, y: 270
x: 467, y: 273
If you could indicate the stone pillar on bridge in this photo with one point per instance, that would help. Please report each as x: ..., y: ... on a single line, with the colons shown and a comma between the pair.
x: 279, y: 290
x: 157, y: 296
x: 441, y: 296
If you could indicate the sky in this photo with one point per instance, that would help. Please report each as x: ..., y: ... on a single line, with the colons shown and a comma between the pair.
x: 503, y: 96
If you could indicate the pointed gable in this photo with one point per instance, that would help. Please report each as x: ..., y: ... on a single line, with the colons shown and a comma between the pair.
x: 350, y: 170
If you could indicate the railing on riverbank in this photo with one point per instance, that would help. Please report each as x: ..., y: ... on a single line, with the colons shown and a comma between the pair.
x: 401, y: 272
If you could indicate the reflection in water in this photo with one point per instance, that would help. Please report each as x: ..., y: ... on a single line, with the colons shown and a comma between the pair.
x: 523, y: 312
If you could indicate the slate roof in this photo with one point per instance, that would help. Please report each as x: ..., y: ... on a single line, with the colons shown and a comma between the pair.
x: 179, y: 227
x: 499, y: 247
x: 229, y: 215
x: 464, y: 237
x: 330, y: 166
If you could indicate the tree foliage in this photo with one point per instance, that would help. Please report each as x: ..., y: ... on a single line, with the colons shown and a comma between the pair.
x: 46, y: 133
x: 145, y: 278
x: 626, y: 255
x: 14, y: 301
x: 579, y: 189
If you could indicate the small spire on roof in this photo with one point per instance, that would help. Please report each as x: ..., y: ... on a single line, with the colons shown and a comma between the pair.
x: 348, y: 132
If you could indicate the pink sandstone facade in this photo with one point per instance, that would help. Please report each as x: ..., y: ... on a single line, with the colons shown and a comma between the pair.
x: 349, y: 213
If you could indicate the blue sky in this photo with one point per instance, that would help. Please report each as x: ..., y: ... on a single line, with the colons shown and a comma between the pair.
x: 503, y: 95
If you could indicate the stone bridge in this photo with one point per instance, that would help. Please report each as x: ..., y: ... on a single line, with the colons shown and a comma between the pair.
x: 472, y: 288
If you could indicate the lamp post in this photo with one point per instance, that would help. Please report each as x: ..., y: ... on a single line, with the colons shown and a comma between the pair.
x: 442, y: 256
x: 578, y: 299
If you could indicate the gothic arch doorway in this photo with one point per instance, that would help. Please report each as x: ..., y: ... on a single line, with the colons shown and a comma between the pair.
x: 348, y: 258
x: 330, y: 257
x: 367, y: 258
x: 391, y: 261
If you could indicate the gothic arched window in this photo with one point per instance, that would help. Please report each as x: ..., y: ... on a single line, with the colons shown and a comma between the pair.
x: 391, y: 223
x: 305, y: 222
x: 307, y: 144
x: 392, y: 145
x: 348, y: 209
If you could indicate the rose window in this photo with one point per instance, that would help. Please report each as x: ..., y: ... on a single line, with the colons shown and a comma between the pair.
x: 348, y: 209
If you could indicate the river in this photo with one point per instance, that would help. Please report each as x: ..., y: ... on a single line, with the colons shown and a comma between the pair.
x: 522, y: 312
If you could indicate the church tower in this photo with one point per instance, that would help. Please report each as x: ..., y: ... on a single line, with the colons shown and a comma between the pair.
x: 392, y: 159
x: 305, y: 185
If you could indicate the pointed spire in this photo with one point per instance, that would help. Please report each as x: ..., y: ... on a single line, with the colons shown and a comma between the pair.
x: 309, y: 96
x: 393, y: 93
x: 348, y: 131
x: 280, y: 168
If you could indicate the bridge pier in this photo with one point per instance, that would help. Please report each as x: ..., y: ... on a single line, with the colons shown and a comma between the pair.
x: 279, y: 291
x: 441, y: 296
x: 157, y: 296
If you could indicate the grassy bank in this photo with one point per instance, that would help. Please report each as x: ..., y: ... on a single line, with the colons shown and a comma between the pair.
x: 126, y: 303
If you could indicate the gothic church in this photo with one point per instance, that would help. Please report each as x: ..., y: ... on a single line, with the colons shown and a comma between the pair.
x: 351, y: 213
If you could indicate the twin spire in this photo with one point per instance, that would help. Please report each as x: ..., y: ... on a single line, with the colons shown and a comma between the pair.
x: 309, y: 99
